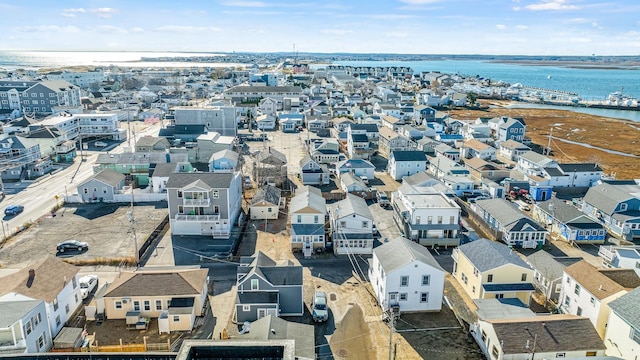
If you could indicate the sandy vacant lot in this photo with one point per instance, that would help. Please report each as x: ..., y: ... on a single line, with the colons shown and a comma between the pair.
x: 612, y: 134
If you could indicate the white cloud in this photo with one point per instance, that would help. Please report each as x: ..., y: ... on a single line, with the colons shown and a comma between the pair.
x: 389, y: 16
x: 101, y: 12
x: 110, y: 29
x: 104, y: 12
x: 336, y: 31
x: 516, y: 8
x: 501, y: 26
x: 187, y: 29
x: 48, y: 29
x: 397, y: 34
x: 245, y: 3
x: 137, y: 30
x: 521, y: 27
x: 551, y: 5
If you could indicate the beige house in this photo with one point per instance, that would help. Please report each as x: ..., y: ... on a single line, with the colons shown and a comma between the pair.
x: 174, y: 296
x: 487, y: 269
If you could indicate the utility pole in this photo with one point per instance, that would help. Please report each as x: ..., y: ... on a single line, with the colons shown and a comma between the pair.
x: 549, y: 144
x: 132, y: 220
x: 391, y: 330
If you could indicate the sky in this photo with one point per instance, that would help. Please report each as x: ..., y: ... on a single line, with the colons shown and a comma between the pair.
x: 492, y: 27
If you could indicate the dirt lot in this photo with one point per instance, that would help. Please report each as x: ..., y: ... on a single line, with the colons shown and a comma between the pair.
x: 104, y: 226
x: 612, y: 134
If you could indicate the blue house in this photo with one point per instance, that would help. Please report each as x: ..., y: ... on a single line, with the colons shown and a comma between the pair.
x: 568, y: 222
x: 509, y: 128
x: 615, y: 205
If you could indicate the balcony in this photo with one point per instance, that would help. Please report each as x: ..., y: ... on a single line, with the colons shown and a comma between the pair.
x: 606, y: 253
x: 11, y: 347
x: 196, y: 202
x: 197, y: 218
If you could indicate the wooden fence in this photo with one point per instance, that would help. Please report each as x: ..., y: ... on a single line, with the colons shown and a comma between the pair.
x: 144, y: 347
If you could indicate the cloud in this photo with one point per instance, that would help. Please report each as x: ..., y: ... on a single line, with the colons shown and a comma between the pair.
x: 137, y: 30
x: 104, y: 12
x: 48, y: 29
x: 419, y: 2
x: 501, y: 26
x: 245, y: 3
x: 336, y: 32
x: 397, y: 34
x: 187, y: 29
x: 521, y: 27
x: 111, y: 29
x: 551, y: 5
x: 389, y: 16
x: 101, y: 12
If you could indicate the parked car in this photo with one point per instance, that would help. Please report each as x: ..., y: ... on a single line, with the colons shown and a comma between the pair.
x: 100, y: 144
x: 13, y: 210
x: 383, y: 199
x: 364, y: 179
x: 320, y: 311
x: 72, y: 245
x: 88, y: 283
x: 247, y: 182
x: 376, y: 232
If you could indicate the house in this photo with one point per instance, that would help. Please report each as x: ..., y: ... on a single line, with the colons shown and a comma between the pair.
x: 358, y: 145
x: 349, y: 183
x: 313, y: 173
x: 406, y: 163
x: 162, y: 173
x: 538, y: 337
x: 391, y: 122
x: 50, y: 280
x: 405, y: 276
x: 270, y: 167
x: 426, y: 216
x: 307, y: 216
x: 506, y: 128
x: 152, y: 143
x: 532, y: 163
x: 512, y: 149
x: 265, y: 122
x: 485, y: 170
x: 620, y: 257
x: 136, y: 166
x: 224, y: 161
x: 23, y: 325
x: 273, y: 328
x: 205, y: 204
x: 266, y: 203
x: 174, y: 296
x: 267, y: 288
x: 615, y: 205
x: 568, y: 223
x: 587, y: 291
x: 427, y: 145
x: 623, y: 330
x: 509, y: 224
x: 391, y: 141
x: 357, y: 167
x: 351, y: 225
x: 326, y: 152
x: 101, y: 187
x: 547, y: 272
x: 487, y: 269
x: 19, y: 154
x: 476, y: 149
x: 448, y: 152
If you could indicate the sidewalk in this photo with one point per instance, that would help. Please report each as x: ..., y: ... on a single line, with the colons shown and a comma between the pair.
x: 162, y: 255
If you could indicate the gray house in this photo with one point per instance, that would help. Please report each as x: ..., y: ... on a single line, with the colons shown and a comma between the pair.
x: 273, y: 328
x: 204, y: 203
x: 313, y: 173
x: 223, y: 161
x: 102, y: 186
x: 266, y: 288
x: 547, y: 275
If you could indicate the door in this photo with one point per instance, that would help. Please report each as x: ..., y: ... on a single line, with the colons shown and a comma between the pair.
x: 393, y: 298
x: 262, y: 313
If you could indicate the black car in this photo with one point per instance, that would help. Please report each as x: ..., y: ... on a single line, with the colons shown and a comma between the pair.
x: 72, y: 245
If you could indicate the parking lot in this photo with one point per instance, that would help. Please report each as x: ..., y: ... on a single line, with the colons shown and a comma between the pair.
x: 105, y: 227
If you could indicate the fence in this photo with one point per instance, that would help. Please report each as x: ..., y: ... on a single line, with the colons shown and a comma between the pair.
x: 144, y: 347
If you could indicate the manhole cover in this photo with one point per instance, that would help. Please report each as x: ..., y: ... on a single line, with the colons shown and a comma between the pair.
x: 333, y: 297
x: 343, y: 353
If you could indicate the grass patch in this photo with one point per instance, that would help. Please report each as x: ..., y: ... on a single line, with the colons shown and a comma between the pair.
x: 119, y: 261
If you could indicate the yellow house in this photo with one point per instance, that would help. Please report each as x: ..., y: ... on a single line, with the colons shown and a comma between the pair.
x: 174, y: 296
x: 487, y: 269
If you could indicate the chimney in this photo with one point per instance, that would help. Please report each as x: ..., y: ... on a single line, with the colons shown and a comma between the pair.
x: 600, y: 288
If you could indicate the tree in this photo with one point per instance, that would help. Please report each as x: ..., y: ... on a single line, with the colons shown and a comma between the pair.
x: 472, y: 97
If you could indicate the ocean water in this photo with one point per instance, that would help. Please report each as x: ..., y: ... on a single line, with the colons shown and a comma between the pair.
x: 589, y: 84
x: 12, y: 60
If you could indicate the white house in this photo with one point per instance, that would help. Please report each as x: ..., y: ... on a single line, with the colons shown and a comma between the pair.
x: 351, y: 226
x: 622, y: 337
x: 587, y: 291
x: 307, y: 213
x: 23, y: 326
x: 313, y: 172
x: 51, y: 280
x: 405, y: 275
x: 406, y: 163
x: 266, y: 202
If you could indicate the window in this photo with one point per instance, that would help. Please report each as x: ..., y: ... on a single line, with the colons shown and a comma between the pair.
x: 58, y: 320
x: 215, y: 194
x: 593, y: 301
x: 429, y: 219
x: 424, y: 297
x: 577, y: 289
x: 475, y: 272
x: 269, y: 210
x: 417, y: 220
x: 452, y: 219
x: 558, y: 287
x: 41, y: 341
x: 439, y: 219
x: 176, y: 318
x: 76, y: 297
x: 473, y: 289
x: 403, y: 297
x: 404, y: 281
x: 117, y: 305
x: 147, y: 305
x: 179, y: 193
x: 343, y: 224
x: 567, y: 301
x: 299, y: 219
x: 495, y: 352
x: 136, y: 305
x: 490, y: 278
x: 246, y: 308
x: 158, y: 304
x: 426, y: 279
x: 27, y: 328
x: 74, y: 282
x: 523, y: 277
x: 365, y: 224
x: 315, y: 219
x: 55, y: 304
x: 464, y: 279
x: 499, y: 296
x: 254, y: 284
x: 37, y: 319
x: 579, y: 311
x: 66, y: 308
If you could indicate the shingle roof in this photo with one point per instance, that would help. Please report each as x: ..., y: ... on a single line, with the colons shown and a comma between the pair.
x: 401, y: 251
x: 110, y: 177
x: 12, y: 311
x: 512, y: 144
x: 536, y: 158
x: 268, y: 193
x: 149, y: 140
x: 272, y: 327
x: 143, y: 282
x: 222, y: 154
x: 586, y: 167
x: 606, y: 197
x: 214, y: 180
x: 371, y: 128
x: 352, y: 204
x: 262, y: 89
x: 51, y: 276
x: 551, y: 333
x: 311, y: 198
x: 485, y: 255
x: 593, y: 280
x: 550, y: 267
x: 502, y: 210
x: 626, y: 307
x: 409, y: 155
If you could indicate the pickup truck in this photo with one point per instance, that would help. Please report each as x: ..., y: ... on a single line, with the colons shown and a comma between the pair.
x: 320, y: 312
x: 383, y: 199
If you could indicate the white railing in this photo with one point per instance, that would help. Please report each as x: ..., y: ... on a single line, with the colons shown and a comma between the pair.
x: 196, y: 202
x: 20, y: 344
x: 198, y: 218
x: 606, y: 253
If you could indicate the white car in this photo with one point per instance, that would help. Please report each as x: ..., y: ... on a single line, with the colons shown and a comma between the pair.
x: 100, y: 144
x: 88, y: 283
